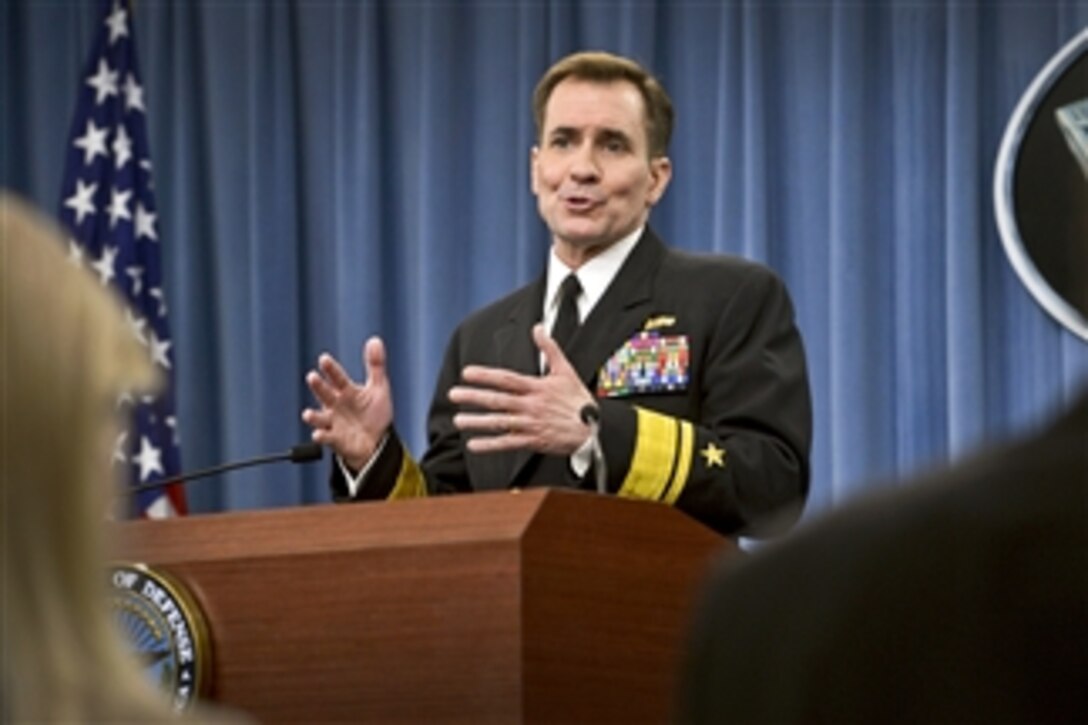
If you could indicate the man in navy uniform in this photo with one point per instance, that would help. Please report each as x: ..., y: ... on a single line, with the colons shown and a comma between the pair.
x: 693, y: 364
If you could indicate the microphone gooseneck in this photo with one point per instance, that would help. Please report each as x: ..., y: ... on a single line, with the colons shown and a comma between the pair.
x: 302, y: 453
x: 591, y: 416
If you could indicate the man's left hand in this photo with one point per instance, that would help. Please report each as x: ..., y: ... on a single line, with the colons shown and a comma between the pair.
x: 519, y: 411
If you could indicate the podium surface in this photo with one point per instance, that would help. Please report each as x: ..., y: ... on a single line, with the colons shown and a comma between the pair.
x: 541, y: 605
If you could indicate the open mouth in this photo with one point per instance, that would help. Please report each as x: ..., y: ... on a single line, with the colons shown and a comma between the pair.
x: 579, y: 203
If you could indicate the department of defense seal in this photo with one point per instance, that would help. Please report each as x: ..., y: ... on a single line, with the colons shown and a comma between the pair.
x: 165, y: 628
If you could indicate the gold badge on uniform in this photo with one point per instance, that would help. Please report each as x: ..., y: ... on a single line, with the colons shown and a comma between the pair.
x: 659, y: 321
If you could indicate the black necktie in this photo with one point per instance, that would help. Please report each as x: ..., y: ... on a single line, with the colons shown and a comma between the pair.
x: 566, y: 322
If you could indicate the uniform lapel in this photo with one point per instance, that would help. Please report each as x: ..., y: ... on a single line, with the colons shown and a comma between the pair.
x: 514, y: 339
x: 516, y: 351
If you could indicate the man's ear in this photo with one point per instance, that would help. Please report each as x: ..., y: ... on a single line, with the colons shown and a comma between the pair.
x: 534, y: 152
x: 660, y: 175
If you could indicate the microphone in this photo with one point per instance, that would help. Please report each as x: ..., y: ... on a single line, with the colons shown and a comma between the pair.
x: 591, y: 416
x: 302, y: 453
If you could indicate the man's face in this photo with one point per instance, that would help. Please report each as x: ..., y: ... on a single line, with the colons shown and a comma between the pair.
x: 592, y: 175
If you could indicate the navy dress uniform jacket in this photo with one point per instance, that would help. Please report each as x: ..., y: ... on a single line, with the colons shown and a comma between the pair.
x: 700, y: 374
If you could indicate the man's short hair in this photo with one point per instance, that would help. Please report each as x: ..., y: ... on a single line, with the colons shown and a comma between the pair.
x: 601, y: 67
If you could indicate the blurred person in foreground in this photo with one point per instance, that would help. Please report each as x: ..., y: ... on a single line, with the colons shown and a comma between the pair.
x: 962, y: 597
x: 66, y: 354
x: 693, y: 362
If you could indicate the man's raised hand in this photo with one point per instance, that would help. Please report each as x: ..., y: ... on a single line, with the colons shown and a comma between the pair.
x: 514, y: 411
x: 353, y: 417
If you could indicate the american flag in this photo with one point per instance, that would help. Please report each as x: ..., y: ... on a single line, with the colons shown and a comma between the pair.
x: 108, y: 208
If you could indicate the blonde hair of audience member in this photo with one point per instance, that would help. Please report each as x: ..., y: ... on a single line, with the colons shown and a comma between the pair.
x: 65, y: 355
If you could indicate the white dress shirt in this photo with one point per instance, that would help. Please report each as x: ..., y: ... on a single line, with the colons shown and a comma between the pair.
x: 595, y: 276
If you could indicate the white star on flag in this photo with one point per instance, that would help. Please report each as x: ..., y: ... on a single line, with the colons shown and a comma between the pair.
x: 105, y: 264
x: 119, y: 206
x: 104, y: 82
x: 145, y: 223
x: 137, y: 325
x: 149, y: 459
x: 117, y: 22
x: 156, y: 293
x: 134, y: 94
x: 75, y: 253
x: 136, y: 274
x: 93, y: 142
x: 80, y: 202
x: 158, y: 349
x: 122, y: 147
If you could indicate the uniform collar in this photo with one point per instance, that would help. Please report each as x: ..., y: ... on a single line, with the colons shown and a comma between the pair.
x: 595, y: 276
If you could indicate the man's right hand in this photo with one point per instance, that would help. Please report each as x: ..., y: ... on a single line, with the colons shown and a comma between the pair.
x: 353, y: 418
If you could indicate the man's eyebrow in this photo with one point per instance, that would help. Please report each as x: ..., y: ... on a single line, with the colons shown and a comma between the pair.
x: 610, y: 134
x: 563, y: 131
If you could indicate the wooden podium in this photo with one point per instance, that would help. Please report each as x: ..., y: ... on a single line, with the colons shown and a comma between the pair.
x: 535, y: 606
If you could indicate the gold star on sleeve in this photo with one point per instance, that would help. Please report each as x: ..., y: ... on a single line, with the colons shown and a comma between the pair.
x: 714, y: 456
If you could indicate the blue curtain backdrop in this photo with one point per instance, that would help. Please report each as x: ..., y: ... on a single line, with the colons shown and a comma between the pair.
x: 331, y: 170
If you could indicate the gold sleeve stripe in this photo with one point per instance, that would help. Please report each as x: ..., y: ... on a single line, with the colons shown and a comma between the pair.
x: 683, y: 463
x: 653, y: 461
x: 410, y: 482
